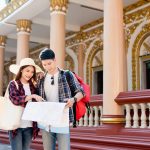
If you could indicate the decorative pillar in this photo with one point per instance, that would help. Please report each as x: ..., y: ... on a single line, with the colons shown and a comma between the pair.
x: 81, y: 48
x: 57, y: 29
x: 114, y: 62
x: 2, y: 48
x: 23, y: 36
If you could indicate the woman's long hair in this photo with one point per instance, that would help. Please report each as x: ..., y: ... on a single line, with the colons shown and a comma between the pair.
x: 19, y: 74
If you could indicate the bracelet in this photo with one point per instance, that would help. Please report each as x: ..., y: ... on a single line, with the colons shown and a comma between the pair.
x: 75, y: 99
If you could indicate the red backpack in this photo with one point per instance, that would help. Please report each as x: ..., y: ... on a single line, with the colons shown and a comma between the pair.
x: 84, y: 102
x: 79, y: 108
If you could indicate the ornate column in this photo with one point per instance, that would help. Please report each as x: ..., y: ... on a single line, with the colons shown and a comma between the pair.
x: 81, y: 48
x: 23, y: 36
x: 2, y: 48
x: 57, y: 29
x: 114, y: 62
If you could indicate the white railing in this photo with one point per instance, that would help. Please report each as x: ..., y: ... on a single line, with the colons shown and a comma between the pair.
x: 136, y: 116
x: 93, y: 119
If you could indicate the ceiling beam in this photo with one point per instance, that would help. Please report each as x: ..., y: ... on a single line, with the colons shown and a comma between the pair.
x: 32, y: 39
x: 44, y: 22
x: 97, y: 4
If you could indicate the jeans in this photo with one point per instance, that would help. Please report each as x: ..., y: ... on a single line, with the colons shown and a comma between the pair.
x: 22, y: 140
x: 49, y: 140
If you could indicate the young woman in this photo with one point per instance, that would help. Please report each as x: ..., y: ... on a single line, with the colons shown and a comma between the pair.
x: 21, y: 91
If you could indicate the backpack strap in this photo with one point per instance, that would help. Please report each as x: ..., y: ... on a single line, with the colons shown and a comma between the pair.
x: 67, y: 73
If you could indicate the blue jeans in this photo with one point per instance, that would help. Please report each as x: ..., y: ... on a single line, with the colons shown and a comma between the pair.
x: 49, y: 141
x: 22, y: 140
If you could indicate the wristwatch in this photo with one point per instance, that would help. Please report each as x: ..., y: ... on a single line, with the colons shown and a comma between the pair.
x: 75, y: 99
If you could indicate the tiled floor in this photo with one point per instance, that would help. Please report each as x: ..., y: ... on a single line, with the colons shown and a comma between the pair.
x: 5, y: 147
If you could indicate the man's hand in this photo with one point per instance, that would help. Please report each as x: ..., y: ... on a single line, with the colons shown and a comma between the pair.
x: 70, y: 102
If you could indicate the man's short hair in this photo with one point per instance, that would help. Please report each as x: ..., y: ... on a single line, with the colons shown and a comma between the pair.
x: 47, y: 54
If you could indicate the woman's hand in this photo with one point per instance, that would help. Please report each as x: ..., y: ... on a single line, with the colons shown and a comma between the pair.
x: 40, y: 75
x: 34, y: 96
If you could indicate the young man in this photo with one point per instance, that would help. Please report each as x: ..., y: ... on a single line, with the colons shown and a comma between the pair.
x: 54, y: 87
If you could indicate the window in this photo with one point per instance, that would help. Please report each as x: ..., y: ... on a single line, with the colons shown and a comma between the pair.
x: 97, y: 86
x: 99, y: 82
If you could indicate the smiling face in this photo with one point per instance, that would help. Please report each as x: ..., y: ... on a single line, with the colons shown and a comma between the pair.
x: 26, y: 73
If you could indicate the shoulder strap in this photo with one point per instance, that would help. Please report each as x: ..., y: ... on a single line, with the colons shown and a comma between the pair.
x: 7, y: 91
x: 16, y: 84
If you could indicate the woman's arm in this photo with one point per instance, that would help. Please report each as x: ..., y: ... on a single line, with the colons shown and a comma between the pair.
x: 18, y: 99
x: 15, y: 96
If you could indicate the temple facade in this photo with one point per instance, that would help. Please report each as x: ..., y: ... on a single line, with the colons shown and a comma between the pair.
x: 107, y: 43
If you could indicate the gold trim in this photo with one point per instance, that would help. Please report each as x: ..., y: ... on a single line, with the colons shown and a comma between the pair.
x: 59, y: 5
x: 136, y: 5
x: 11, y: 8
x: 112, y: 120
x: 145, y: 57
x: 128, y: 18
x: 70, y: 33
x: 75, y: 48
x: 129, y: 31
x: 71, y: 63
x: 135, y: 56
x: 91, y: 24
x: 137, y: 15
x: 97, y: 46
x: 82, y: 36
x: 24, y: 25
x: 2, y: 40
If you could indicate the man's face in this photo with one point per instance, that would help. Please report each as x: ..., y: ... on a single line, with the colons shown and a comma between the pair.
x: 49, y: 65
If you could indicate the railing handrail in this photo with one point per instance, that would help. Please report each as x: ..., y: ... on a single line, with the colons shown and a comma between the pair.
x: 96, y: 100
x: 140, y: 96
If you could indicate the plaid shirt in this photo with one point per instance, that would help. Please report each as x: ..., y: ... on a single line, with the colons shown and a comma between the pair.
x: 64, y: 88
x: 17, y: 96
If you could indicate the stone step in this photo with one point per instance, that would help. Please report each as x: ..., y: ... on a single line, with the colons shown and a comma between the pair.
x: 89, y: 139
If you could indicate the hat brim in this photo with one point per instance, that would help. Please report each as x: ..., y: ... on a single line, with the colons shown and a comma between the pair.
x: 15, y: 68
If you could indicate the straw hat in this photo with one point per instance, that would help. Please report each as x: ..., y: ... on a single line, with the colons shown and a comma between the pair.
x: 24, y: 62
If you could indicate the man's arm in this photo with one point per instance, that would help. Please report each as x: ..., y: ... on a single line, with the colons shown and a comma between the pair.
x: 76, y: 89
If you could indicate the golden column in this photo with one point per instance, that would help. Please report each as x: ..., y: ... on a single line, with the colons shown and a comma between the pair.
x: 81, y: 56
x: 2, y: 48
x: 23, y: 37
x: 114, y: 62
x: 58, y: 10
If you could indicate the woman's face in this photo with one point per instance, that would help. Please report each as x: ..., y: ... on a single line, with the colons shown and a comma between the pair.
x: 27, y: 73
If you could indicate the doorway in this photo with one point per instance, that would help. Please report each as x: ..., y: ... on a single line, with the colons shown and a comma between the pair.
x: 148, y: 75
